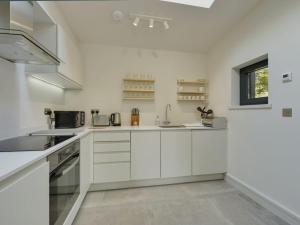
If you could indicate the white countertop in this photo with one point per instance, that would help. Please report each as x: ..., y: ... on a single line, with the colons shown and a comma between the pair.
x: 145, y: 128
x: 13, y: 162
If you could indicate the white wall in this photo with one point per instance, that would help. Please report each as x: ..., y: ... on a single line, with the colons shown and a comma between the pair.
x: 263, y: 147
x: 105, y: 66
x: 22, y: 98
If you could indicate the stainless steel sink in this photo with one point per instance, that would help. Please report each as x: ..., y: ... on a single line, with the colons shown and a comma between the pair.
x: 172, y: 126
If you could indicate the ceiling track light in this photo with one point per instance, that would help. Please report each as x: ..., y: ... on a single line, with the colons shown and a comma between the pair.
x: 136, y: 21
x: 151, y: 23
x: 151, y: 19
x: 166, y: 25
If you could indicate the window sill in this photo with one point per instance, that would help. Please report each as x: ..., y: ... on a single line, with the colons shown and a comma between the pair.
x: 249, y: 107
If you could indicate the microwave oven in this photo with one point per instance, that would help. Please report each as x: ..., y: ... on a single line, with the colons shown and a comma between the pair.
x: 69, y: 119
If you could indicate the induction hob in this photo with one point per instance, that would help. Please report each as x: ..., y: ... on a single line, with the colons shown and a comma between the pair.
x: 31, y: 143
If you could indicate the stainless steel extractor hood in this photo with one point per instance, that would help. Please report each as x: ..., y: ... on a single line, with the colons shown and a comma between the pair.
x: 17, y: 42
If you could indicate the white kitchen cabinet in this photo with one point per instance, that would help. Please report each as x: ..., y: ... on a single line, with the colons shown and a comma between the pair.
x: 69, y: 53
x: 85, y: 163
x: 176, y: 153
x: 113, y: 136
x: 209, y: 150
x: 145, y: 155
x: 111, y: 157
x: 24, y: 197
x: 111, y: 172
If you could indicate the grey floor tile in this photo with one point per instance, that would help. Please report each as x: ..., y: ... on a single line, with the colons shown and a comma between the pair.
x: 239, y: 210
x: 203, y: 203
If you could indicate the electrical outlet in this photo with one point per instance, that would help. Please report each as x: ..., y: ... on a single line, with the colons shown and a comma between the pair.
x: 287, y: 112
x: 93, y: 111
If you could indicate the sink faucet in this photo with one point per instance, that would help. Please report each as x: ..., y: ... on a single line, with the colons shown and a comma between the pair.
x: 168, y: 107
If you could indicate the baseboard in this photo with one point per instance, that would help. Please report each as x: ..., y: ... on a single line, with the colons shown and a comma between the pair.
x: 275, y: 207
x: 154, y: 182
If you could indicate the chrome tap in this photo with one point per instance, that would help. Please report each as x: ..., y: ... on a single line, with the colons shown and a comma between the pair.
x: 168, y: 107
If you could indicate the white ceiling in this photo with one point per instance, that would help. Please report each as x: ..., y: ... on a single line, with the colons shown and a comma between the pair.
x: 193, y: 29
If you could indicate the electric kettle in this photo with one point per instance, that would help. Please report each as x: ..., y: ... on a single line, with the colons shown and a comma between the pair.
x: 115, y: 119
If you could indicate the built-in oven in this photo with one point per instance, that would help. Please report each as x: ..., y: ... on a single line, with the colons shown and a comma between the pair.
x: 64, y: 181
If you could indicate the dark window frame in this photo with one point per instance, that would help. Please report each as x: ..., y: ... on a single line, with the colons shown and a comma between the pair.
x: 244, y: 84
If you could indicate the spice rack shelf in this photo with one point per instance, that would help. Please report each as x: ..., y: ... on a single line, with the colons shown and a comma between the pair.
x: 138, y: 89
x: 192, y: 90
x: 145, y: 91
x: 149, y: 99
x: 139, y: 80
x: 195, y: 82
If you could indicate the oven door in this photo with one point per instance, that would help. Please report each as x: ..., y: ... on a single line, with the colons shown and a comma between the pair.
x: 64, y: 189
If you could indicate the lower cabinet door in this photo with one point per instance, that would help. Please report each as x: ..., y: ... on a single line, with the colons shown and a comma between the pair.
x: 145, y: 155
x: 111, y: 172
x: 85, y: 163
x: 24, y: 198
x: 176, y: 153
x: 209, y: 150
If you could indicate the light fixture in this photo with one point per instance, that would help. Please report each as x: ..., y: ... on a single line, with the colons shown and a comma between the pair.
x: 197, y: 3
x: 166, y: 25
x: 136, y: 21
x: 151, y: 20
x: 151, y: 23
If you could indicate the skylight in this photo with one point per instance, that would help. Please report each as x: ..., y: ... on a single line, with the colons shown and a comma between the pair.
x: 196, y: 3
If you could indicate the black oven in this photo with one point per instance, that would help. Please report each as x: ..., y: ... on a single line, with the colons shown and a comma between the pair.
x: 69, y: 119
x: 64, y: 182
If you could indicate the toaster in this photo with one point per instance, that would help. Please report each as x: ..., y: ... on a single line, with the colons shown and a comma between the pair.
x: 100, y: 120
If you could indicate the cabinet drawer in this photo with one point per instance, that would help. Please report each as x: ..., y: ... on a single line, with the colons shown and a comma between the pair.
x: 111, y: 136
x: 111, y: 157
x: 112, y: 147
x: 111, y: 172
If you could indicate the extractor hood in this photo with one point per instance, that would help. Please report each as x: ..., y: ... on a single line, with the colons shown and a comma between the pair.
x: 17, y: 34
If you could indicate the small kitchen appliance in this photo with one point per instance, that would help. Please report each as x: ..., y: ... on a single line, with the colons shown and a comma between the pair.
x: 135, y: 117
x: 115, y: 119
x: 69, y: 119
x: 100, y: 120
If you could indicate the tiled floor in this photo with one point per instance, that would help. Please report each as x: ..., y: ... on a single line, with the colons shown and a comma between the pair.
x: 204, y: 203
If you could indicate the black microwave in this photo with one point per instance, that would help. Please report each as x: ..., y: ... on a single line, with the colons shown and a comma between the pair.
x: 69, y: 119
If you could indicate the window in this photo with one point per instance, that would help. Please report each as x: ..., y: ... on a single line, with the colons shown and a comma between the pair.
x: 254, y: 84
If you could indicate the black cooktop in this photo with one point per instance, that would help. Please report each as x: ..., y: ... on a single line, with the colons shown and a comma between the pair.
x: 31, y: 143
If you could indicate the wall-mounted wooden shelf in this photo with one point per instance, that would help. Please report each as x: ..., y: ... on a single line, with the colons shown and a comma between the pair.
x: 192, y: 100
x: 149, y: 99
x: 138, y: 80
x: 138, y: 89
x: 196, y: 82
x: 192, y: 91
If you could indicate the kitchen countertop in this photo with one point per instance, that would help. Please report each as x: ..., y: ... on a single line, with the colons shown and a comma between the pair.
x: 13, y: 162
x: 145, y: 128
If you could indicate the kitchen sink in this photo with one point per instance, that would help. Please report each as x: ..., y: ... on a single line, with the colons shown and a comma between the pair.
x: 172, y: 126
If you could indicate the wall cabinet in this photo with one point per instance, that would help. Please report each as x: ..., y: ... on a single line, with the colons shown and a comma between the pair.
x: 145, y: 155
x: 209, y: 150
x: 24, y: 198
x: 176, y: 153
x: 69, y: 53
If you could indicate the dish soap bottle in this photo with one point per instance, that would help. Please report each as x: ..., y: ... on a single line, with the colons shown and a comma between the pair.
x: 157, y: 121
